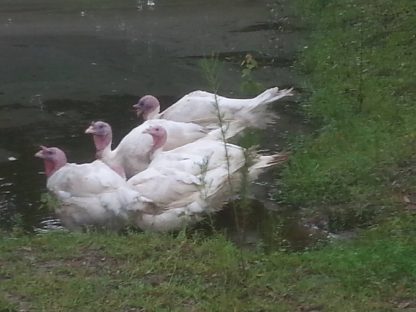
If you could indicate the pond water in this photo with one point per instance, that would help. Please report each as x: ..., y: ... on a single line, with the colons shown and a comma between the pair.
x: 65, y: 63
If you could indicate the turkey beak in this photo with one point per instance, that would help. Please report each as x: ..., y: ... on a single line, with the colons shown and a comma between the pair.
x: 90, y: 130
x: 138, y: 110
x: 40, y: 153
x: 147, y: 130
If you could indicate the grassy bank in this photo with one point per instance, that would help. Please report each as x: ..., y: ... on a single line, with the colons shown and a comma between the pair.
x: 360, y: 73
x: 138, y: 272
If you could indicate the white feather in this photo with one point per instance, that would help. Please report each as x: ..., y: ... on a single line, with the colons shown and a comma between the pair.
x: 189, y: 182
x: 92, y: 194
x: 204, y: 108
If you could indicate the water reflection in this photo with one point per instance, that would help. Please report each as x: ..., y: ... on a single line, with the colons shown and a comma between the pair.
x: 145, y: 4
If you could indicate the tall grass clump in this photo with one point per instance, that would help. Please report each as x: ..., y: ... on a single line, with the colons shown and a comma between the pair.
x: 359, y: 68
x: 211, y: 70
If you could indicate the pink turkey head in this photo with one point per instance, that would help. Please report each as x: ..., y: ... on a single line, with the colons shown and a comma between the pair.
x: 53, y: 158
x: 148, y: 105
x: 102, y: 135
x: 159, y: 135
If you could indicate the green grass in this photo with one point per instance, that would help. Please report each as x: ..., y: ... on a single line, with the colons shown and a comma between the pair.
x: 149, y: 272
x: 360, y: 73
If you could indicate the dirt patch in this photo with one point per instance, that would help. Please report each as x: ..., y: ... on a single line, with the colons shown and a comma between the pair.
x: 21, y: 302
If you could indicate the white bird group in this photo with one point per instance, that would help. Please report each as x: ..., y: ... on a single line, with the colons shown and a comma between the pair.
x: 166, y: 173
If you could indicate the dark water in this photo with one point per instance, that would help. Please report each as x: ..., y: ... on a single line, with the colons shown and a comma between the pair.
x: 64, y: 64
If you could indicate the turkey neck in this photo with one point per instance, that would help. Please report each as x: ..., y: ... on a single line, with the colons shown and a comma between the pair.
x: 158, y: 142
x: 102, y: 144
x: 154, y: 114
x: 51, y: 166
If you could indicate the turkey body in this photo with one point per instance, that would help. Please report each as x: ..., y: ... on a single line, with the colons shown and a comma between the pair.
x: 90, y: 194
x: 209, y: 109
x: 192, y: 181
x: 132, y: 153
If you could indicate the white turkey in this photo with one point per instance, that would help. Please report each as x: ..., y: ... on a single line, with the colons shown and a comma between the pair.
x: 89, y: 194
x: 133, y: 153
x: 194, y: 180
x: 206, y: 108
